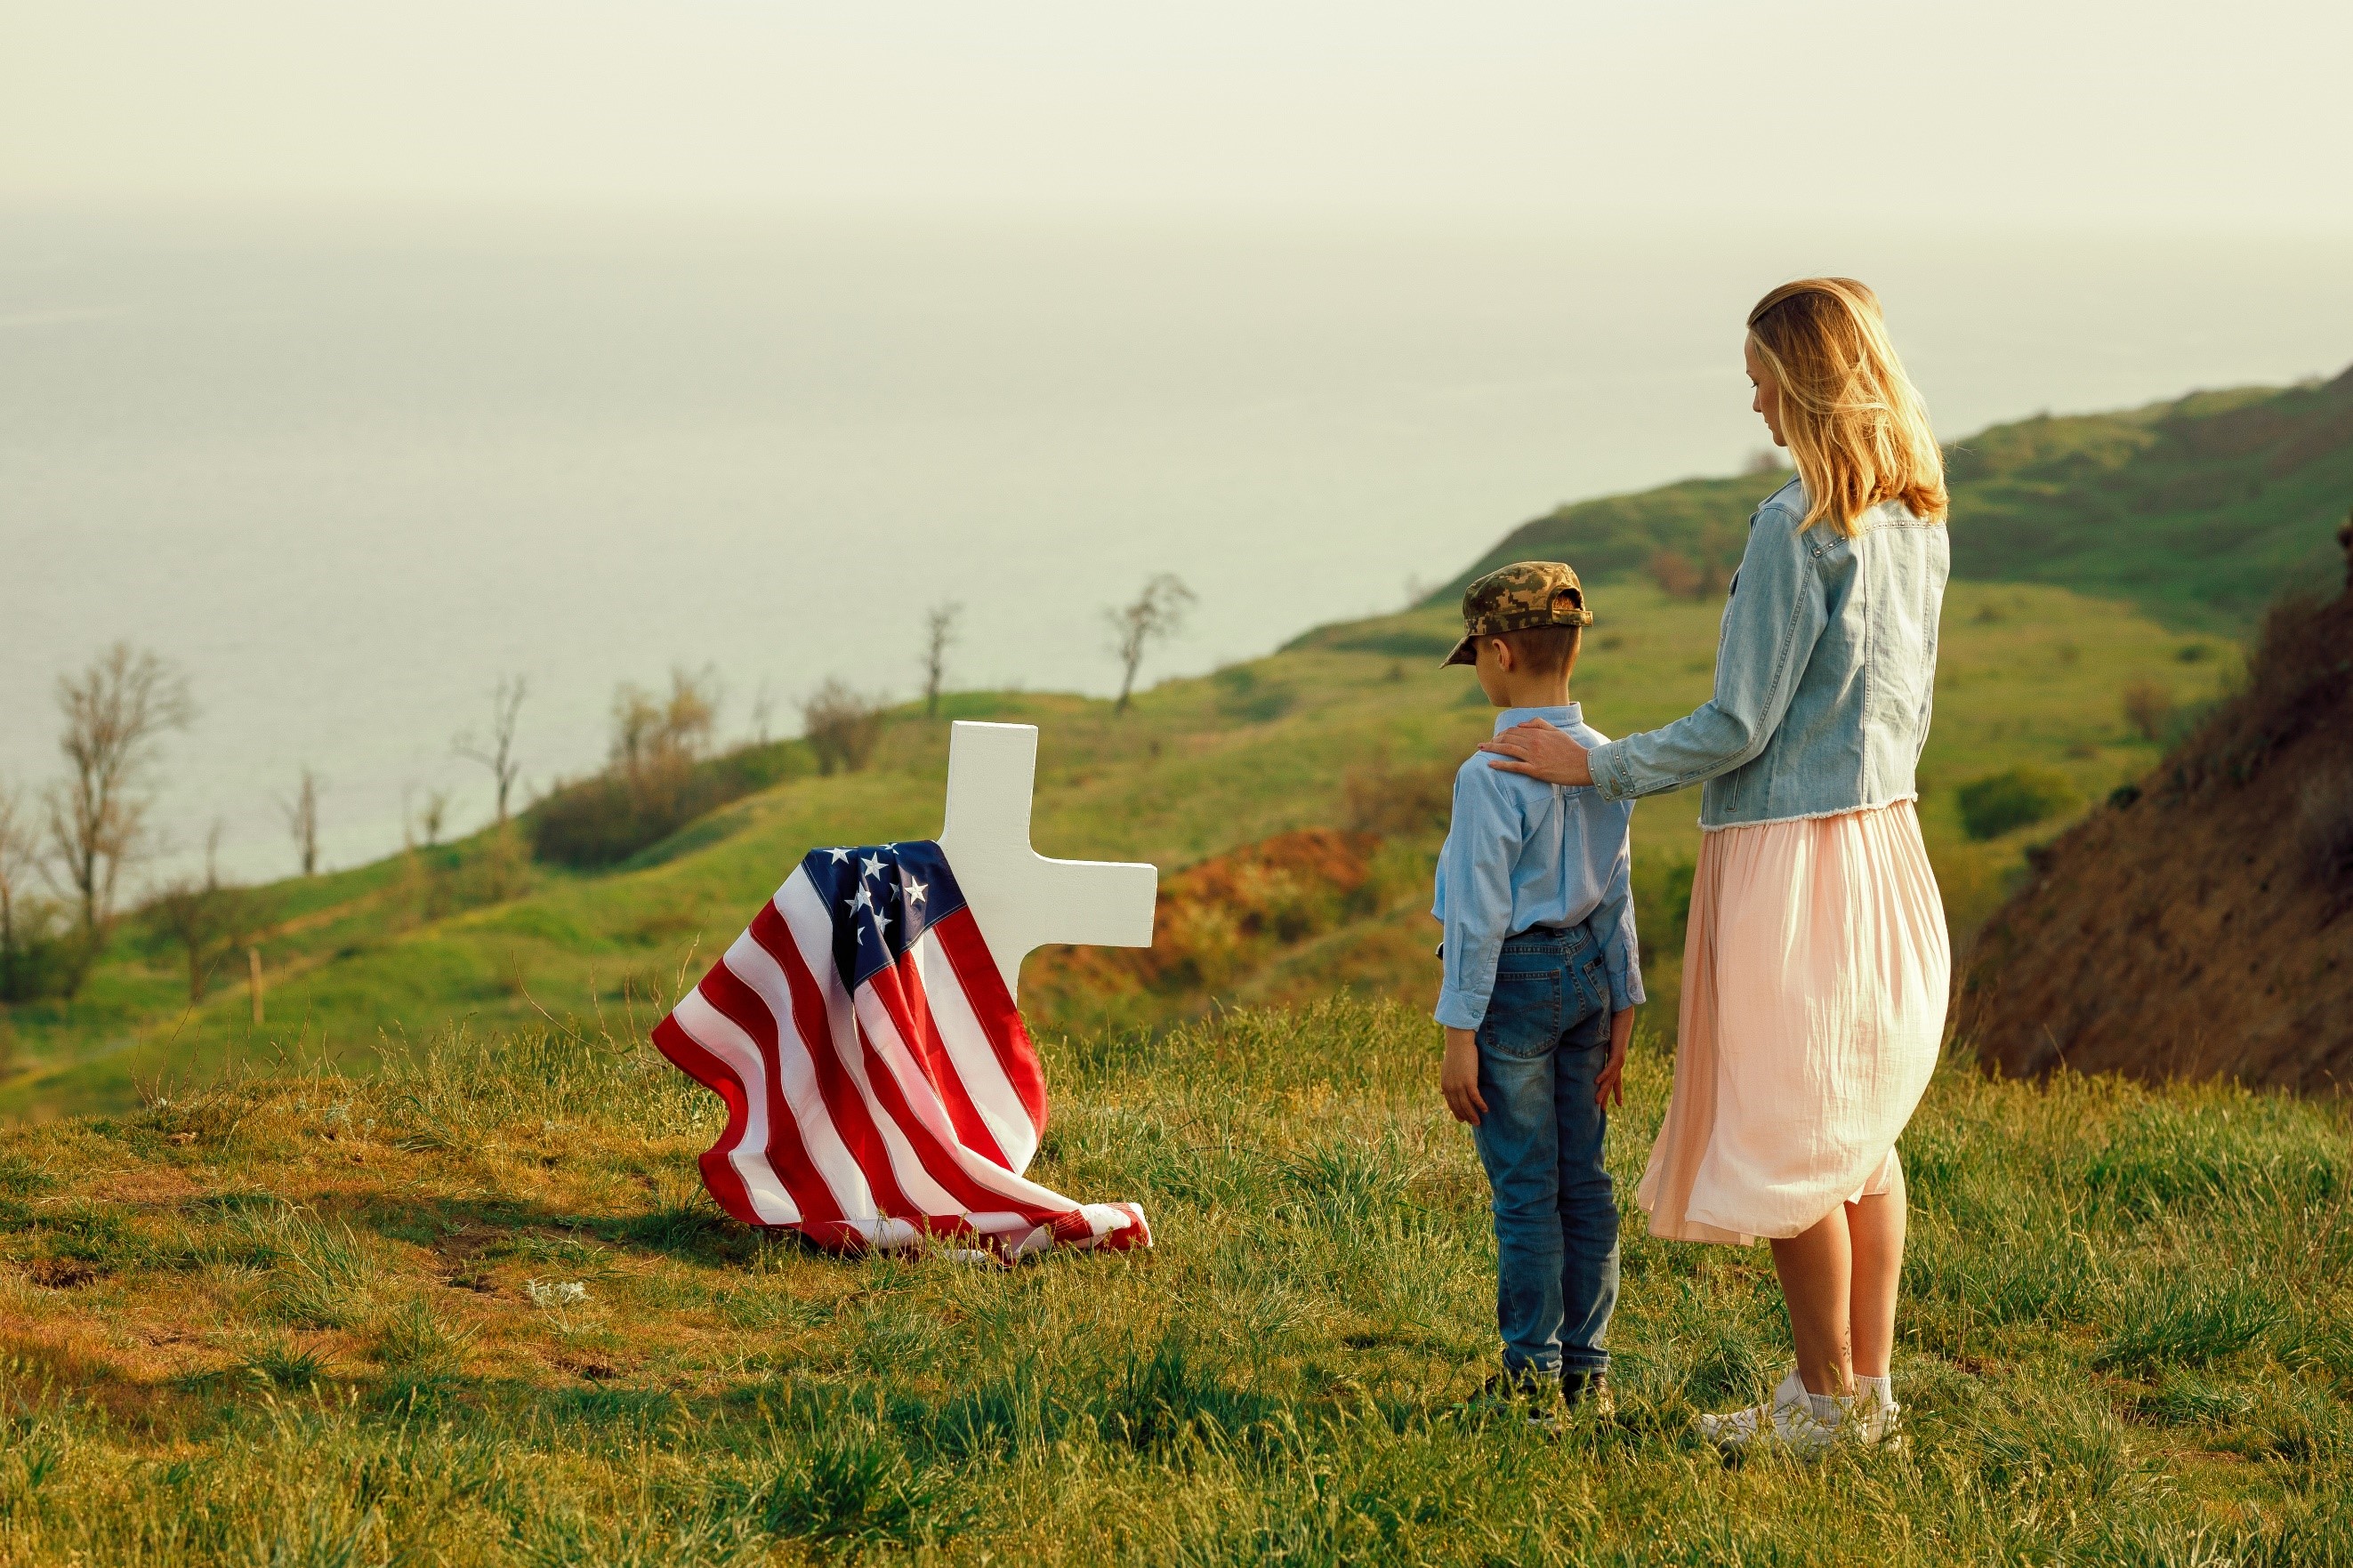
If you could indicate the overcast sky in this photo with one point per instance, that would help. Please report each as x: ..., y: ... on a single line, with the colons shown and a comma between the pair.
x: 2205, y: 116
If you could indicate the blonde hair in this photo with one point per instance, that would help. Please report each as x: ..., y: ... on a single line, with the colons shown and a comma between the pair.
x: 1855, y: 425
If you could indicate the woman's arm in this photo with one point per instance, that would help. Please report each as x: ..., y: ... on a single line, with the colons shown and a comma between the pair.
x: 1776, y: 614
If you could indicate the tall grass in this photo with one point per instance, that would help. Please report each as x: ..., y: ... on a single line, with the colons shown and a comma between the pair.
x: 299, y: 1326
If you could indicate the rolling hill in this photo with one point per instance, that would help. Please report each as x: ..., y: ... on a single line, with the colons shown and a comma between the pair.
x: 2104, y: 554
x: 2197, y: 509
x: 1352, y: 730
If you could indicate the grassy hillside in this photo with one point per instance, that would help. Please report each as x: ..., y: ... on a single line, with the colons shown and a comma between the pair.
x: 1334, y: 732
x: 2197, y: 509
x: 477, y: 1310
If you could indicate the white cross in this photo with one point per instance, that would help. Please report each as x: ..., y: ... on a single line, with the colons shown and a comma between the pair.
x: 1020, y: 899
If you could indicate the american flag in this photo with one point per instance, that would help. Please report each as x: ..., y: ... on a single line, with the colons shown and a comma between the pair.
x: 879, y: 1084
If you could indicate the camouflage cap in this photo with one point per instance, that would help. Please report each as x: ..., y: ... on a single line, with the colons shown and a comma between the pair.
x: 1518, y: 598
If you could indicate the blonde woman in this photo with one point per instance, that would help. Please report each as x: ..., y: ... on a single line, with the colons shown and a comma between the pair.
x: 1816, y: 962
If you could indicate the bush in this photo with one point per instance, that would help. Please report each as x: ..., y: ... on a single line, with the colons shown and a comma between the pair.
x: 1246, y: 698
x: 2004, y: 802
x: 42, y: 955
x: 612, y: 816
x: 842, y: 726
x: 2294, y: 681
x: 1680, y: 577
x: 1377, y: 798
x: 2325, y: 826
x: 2148, y: 710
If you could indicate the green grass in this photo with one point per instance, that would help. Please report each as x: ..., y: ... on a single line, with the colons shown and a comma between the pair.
x: 368, y: 962
x: 314, y: 1318
x: 2198, y: 510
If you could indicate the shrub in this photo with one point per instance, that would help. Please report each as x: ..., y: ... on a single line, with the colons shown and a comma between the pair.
x: 842, y: 726
x: 2325, y: 826
x: 1676, y: 574
x: 41, y: 955
x: 1389, y: 800
x: 2294, y: 681
x: 2002, y: 803
x: 609, y: 818
x: 2148, y: 710
x: 1247, y: 698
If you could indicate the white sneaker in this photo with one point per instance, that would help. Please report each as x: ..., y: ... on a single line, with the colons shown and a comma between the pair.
x: 1876, y: 1418
x: 1794, y: 1420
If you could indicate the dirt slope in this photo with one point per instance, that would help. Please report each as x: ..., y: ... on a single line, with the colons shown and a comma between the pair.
x: 2203, y: 924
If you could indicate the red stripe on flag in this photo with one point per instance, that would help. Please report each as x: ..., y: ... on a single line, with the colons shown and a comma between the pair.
x: 984, y: 988
x: 935, y: 1158
x: 900, y: 989
x: 733, y: 998
x: 844, y: 1106
x: 719, y: 1172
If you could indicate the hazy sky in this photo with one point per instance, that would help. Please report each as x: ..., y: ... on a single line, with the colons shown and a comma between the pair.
x: 2203, y: 116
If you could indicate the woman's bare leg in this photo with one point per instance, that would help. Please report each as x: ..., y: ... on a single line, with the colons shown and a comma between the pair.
x: 1875, y: 1229
x: 1816, y: 1270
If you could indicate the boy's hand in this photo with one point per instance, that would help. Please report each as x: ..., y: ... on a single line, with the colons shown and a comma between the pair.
x: 1610, y: 1083
x: 1458, y: 1076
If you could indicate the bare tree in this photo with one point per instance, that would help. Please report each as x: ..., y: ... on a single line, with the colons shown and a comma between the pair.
x: 116, y: 712
x: 20, y: 856
x: 302, y: 815
x: 435, y: 816
x: 498, y: 753
x: 656, y: 737
x: 1156, y: 612
x: 209, y: 919
x: 2148, y: 710
x: 764, y: 710
x: 939, y: 634
x: 843, y: 726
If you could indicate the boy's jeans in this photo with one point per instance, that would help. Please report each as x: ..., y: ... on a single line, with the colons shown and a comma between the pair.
x: 1545, y: 1036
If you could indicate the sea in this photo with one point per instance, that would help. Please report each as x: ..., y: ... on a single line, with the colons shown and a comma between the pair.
x: 348, y: 469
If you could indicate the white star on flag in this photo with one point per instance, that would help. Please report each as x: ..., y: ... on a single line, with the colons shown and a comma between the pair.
x: 838, y: 855
x: 871, y: 866
x: 915, y: 891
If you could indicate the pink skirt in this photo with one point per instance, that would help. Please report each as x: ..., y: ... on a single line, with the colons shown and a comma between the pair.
x: 1815, y: 971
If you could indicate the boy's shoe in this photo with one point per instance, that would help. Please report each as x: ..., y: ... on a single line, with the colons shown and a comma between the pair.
x: 1531, y: 1395
x: 1588, y: 1391
x: 1793, y: 1420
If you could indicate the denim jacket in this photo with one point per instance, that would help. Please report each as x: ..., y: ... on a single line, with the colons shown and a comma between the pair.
x: 1825, y: 670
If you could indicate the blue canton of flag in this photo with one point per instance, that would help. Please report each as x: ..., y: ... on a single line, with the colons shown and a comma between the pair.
x: 883, y: 897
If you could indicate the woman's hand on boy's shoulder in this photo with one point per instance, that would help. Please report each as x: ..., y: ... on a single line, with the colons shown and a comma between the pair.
x: 1538, y: 750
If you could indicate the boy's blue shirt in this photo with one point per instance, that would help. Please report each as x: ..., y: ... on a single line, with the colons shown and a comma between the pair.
x: 1521, y: 853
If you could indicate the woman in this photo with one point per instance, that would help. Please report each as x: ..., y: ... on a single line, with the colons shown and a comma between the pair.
x: 1816, y: 962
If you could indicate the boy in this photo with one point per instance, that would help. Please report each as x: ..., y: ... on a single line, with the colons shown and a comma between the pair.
x: 1541, y: 979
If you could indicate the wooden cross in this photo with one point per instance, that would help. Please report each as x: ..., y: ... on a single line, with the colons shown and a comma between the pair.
x: 1020, y: 899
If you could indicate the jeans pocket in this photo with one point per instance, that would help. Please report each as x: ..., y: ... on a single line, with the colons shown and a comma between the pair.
x: 1593, y: 987
x: 1524, y: 1015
